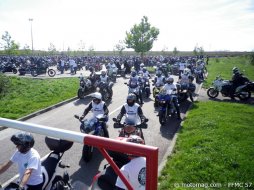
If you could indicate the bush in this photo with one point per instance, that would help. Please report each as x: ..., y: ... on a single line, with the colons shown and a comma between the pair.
x: 4, y: 84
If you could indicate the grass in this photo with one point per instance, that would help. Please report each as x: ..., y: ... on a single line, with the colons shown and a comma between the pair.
x: 223, y: 67
x: 213, y: 148
x: 26, y: 96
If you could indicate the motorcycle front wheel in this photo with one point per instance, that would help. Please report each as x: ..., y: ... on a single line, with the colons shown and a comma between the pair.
x: 81, y: 94
x: 212, y: 93
x: 14, y: 71
x: 34, y: 73
x: 87, y: 153
x: 51, y: 72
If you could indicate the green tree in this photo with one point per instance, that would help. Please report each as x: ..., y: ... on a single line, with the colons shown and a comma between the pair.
x: 198, y: 51
x: 175, y: 51
x: 120, y: 47
x: 52, y: 48
x: 141, y: 36
x: 8, y: 44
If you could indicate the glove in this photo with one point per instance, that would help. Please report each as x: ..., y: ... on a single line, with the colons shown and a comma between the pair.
x: 82, y: 117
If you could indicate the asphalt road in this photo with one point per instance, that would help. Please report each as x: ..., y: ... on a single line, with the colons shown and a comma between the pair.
x: 81, y: 173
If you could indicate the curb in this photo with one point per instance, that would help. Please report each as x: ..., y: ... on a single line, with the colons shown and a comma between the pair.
x: 43, y: 111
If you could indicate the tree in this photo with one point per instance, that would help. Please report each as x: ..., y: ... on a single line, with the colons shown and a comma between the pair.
x: 91, y: 50
x: 52, y: 48
x: 175, y: 51
x: 120, y: 47
x: 198, y: 51
x: 141, y: 36
x: 9, y: 45
x: 82, y: 46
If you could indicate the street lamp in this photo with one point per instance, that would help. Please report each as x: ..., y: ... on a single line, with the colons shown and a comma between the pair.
x: 31, y: 20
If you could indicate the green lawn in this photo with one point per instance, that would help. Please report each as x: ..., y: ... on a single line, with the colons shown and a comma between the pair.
x: 223, y: 67
x: 215, y: 145
x: 29, y: 95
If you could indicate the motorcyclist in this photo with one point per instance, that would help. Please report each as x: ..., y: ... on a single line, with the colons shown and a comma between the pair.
x: 171, y: 89
x: 28, y: 160
x: 237, y: 80
x: 131, y: 110
x: 97, y: 106
x: 135, y: 81
x: 135, y: 170
x: 186, y: 82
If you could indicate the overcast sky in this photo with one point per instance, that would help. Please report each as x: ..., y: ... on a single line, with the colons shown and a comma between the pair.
x: 212, y: 24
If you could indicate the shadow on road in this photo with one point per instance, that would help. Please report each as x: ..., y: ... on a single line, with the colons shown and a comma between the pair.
x: 87, y: 171
x: 84, y: 101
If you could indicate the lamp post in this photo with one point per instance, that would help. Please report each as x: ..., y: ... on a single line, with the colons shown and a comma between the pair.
x: 31, y: 21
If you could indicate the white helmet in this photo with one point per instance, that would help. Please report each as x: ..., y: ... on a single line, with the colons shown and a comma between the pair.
x: 97, y: 95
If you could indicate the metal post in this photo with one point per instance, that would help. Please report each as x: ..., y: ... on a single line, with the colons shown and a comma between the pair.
x: 31, y: 21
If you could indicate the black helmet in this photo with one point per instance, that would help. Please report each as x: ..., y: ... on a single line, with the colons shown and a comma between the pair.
x: 131, y: 98
x: 170, y: 80
x: 23, y: 139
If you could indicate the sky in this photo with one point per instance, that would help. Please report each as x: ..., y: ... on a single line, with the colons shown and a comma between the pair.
x: 215, y: 25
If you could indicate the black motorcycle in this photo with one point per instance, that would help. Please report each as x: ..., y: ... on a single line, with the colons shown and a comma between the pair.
x: 51, y: 165
x: 106, y: 90
x: 9, y: 68
x: 91, y: 126
x: 35, y: 71
x: 85, y: 85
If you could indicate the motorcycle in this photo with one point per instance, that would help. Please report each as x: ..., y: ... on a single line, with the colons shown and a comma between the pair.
x: 42, y: 70
x: 166, y: 105
x: 105, y: 89
x: 91, y: 126
x: 9, y: 68
x: 85, y: 85
x: 225, y: 86
x: 130, y: 128
x: 51, y: 165
x: 145, y: 87
x: 112, y: 73
x: 106, y: 179
x: 134, y: 88
x: 184, y: 90
x: 156, y: 91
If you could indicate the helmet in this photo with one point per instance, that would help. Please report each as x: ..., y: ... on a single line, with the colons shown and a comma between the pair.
x: 186, y: 71
x: 97, y: 97
x: 131, y: 98
x: 170, y: 80
x: 135, y: 139
x: 142, y: 65
x: 158, y: 73
x: 91, y: 69
x: 103, y: 73
x: 164, y: 65
x: 133, y: 73
x: 24, y: 140
x: 235, y: 70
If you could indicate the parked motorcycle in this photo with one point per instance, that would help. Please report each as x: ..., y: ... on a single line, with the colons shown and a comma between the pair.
x: 224, y: 87
x: 92, y: 126
x: 8, y: 68
x: 85, y: 85
x: 42, y: 70
x: 52, y: 165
